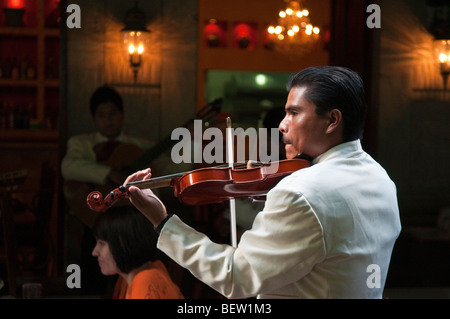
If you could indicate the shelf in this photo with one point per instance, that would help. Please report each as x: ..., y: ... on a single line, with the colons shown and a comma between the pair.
x: 28, y: 135
x: 18, y: 83
x: 30, y: 93
x: 50, y: 83
x: 29, y: 103
x: 15, y: 31
x: 21, y: 31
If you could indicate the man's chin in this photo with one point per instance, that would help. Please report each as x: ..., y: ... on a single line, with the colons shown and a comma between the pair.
x: 291, y: 152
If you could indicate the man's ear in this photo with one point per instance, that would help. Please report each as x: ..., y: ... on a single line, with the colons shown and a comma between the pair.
x: 334, y: 120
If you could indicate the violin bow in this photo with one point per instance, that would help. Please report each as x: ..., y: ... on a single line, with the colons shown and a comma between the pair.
x: 230, y: 153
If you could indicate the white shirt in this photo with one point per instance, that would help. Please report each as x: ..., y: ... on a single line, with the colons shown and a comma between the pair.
x: 326, y: 231
x: 80, y: 163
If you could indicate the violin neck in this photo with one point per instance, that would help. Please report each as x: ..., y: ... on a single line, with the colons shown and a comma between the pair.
x: 157, y: 182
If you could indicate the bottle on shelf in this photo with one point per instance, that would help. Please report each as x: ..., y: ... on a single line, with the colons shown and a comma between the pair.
x: 50, y: 68
x: 17, y: 116
x: 25, y: 117
x: 30, y: 71
x: 34, y: 122
x: 15, y: 70
x: 7, y: 68
x: 10, y: 116
x: 24, y: 67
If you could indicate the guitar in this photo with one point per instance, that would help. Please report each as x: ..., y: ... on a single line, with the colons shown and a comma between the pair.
x: 128, y: 159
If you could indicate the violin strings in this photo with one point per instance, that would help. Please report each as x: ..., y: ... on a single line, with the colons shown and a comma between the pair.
x: 237, y: 165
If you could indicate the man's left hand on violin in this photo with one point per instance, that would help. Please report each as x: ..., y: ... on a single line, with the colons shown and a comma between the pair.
x: 144, y: 199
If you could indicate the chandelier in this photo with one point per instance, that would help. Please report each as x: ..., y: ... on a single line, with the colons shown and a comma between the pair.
x: 293, y: 34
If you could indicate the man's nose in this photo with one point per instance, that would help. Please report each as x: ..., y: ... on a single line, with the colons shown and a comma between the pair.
x: 282, y: 127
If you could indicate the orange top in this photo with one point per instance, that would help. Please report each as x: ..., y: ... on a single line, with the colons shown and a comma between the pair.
x: 153, y: 282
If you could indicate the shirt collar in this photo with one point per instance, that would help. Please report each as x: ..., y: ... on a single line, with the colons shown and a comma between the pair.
x: 339, y: 150
x: 102, y: 138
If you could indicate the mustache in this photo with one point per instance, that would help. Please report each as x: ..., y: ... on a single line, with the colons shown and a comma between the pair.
x: 285, y: 140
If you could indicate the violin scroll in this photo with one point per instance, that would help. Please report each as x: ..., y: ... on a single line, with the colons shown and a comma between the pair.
x: 96, y: 202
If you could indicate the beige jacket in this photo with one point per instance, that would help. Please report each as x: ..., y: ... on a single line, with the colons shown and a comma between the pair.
x: 326, y: 231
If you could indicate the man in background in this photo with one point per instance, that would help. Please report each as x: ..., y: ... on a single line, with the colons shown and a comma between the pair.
x: 98, y: 161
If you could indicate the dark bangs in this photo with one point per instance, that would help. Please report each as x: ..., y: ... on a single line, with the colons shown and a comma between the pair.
x: 130, y: 236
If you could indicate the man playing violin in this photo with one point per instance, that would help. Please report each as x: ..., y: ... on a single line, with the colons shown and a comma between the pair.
x: 326, y: 231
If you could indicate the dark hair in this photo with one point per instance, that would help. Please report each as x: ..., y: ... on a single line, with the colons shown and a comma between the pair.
x: 334, y: 87
x: 105, y: 94
x: 273, y: 117
x: 130, y: 236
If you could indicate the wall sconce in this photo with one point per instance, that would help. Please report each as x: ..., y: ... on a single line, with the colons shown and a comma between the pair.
x: 442, y: 49
x: 440, y: 29
x: 135, y: 38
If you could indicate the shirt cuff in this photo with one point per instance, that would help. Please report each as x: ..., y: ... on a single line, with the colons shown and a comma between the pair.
x: 161, y: 224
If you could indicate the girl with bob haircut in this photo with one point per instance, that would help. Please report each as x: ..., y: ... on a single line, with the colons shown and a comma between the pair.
x: 126, y: 246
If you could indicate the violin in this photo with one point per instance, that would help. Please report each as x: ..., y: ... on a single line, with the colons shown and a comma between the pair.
x: 209, y: 185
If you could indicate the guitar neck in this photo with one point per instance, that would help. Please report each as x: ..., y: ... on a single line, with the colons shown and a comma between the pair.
x: 150, y: 155
x: 209, y: 110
